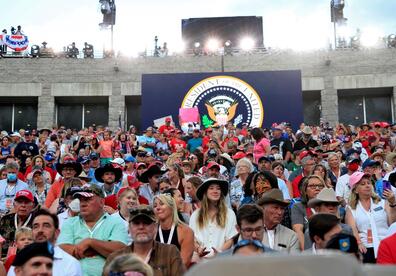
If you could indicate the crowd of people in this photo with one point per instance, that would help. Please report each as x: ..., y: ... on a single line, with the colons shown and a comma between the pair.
x: 156, y: 202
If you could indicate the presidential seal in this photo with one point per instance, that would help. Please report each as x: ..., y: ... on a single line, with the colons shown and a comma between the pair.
x: 223, y: 99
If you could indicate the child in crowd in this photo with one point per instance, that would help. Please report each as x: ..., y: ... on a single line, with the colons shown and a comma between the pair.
x: 23, y: 237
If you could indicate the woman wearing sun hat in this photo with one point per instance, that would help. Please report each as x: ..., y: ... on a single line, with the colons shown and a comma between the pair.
x: 369, y: 215
x: 214, y: 223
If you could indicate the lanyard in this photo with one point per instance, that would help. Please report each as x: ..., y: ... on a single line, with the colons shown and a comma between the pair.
x: 170, y: 234
x: 7, y: 190
x: 96, y: 226
x: 148, y: 256
x: 16, y: 221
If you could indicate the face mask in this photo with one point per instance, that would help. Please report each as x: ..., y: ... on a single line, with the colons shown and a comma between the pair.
x: 11, y: 177
x: 353, y: 167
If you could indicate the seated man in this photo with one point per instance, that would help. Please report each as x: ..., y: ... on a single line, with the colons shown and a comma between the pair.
x: 93, y: 235
x: 165, y: 259
x: 325, y: 202
x: 34, y: 259
x: 322, y: 227
x: 23, y: 216
x: 250, y: 226
x: 277, y: 236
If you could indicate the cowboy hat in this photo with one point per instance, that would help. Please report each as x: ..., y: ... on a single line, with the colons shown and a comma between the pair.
x: 272, y: 196
x: 153, y: 169
x: 99, y: 172
x: 326, y: 195
x: 227, y: 157
x: 201, y: 190
x: 69, y: 163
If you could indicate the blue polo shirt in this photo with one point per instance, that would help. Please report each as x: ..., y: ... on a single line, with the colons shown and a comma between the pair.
x: 7, y: 193
x: 107, y: 228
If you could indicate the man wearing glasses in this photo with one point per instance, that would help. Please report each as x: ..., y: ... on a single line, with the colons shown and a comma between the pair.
x: 250, y: 227
x: 23, y: 204
x: 277, y: 236
x: 10, y: 186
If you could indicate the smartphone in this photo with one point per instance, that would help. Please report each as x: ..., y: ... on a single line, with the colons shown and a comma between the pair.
x: 386, y: 185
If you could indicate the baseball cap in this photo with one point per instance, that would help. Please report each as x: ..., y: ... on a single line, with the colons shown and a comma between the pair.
x: 130, y: 158
x: 212, y: 164
x: 356, y: 177
x: 16, y: 134
x: 142, y: 211
x: 37, y: 249
x: 118, y: 161
x: 84, y: 159
x: 49, y: 156
x: 239, y: 155
x: 24, y: 194
x: 370, y: 163
x: 89, y: 191
x: 352, y: 159
x: 94, y: 155
x: 37, y: 169
x: 168, y: 119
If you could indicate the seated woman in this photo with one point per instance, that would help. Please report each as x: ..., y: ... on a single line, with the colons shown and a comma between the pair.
x: 127, y: 199
x: 176, y: 195
x: 213, y: 224
x: 257, y: 184
x: 300, y: 213
x: 170, y: 229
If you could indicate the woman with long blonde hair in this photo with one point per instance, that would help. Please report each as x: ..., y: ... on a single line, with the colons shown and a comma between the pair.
x: 368, y: 214
x: 171, y: 230
x: 214, y: 223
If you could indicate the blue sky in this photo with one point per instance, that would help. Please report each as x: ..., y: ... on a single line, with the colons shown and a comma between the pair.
x: 298, y: 24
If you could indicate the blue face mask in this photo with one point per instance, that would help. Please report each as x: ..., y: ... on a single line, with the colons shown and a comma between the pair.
x: 11, y: 177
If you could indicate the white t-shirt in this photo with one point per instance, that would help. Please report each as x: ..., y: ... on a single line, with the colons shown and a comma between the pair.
x: 213, y: 235
x: 342, y: 188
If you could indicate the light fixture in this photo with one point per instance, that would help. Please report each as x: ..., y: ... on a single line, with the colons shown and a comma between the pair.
x: 228, y: 48
x: 212, y: 45
x: 355, y: 42
x: 197, y: 50
x: 35, y: 51
x: 391, y: 42
x: 247, y: 44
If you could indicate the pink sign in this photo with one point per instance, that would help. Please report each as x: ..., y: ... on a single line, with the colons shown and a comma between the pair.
x: 189, y: 115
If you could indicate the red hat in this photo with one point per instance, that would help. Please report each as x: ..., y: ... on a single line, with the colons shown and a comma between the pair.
x: 306, y: 153
x: 24, y: 194
x: 133, y: 182
x: 384, y: 124
x: 140, y: 164
x: 208, y: 129
x: 212, y: 164
x: 239, y: 155
x: 179, y: 131
x: 168, y: 119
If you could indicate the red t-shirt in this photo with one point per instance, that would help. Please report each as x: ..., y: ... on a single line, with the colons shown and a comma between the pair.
x: 387, y: 251
x: 165, y: 127
x: 175, y: 142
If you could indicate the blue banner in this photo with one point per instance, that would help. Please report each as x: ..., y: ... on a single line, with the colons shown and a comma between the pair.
x: 254, y: 98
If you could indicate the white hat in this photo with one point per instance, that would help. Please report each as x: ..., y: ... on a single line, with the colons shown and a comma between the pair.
x: 118, y: 161
x: 16, y: 134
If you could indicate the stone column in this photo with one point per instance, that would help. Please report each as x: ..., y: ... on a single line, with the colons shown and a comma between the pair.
x: 329, y: 101
x: 116, y: 105
x: 46, y: 108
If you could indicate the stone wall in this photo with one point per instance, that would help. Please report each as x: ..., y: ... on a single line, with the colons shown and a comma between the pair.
x: 322, y: 71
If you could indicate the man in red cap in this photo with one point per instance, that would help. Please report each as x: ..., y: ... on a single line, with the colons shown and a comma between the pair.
x: 23, y: 216
x: 167, y: 126
x: 177, y: 141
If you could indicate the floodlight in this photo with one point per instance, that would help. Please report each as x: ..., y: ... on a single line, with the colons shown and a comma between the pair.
x: 247, y: 44
x: 212, y: 45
